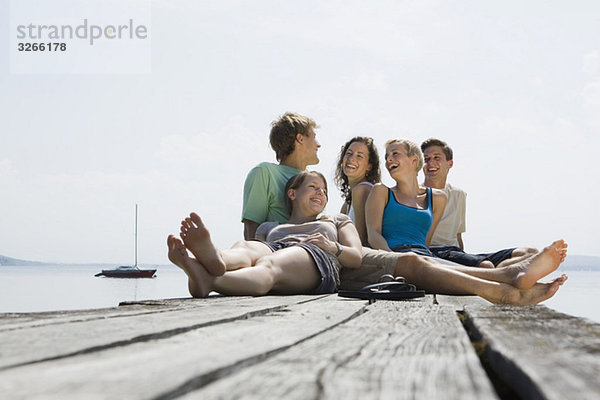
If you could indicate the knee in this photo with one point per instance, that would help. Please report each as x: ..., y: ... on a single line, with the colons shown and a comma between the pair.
x: 410, y: 258
x: 408, y: 263
x: 240, y: 244
x: 268, y: 274
x: 524, y: 251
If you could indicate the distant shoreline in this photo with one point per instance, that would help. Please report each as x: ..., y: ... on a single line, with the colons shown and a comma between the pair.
x: 15, y: 262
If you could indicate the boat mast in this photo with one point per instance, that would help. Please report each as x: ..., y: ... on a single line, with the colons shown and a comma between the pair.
x: 136, y: 235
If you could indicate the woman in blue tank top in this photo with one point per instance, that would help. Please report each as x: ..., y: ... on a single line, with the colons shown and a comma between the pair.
x: 404, y: 217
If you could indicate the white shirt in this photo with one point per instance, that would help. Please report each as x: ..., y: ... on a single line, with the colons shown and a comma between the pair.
x: 453, y: 220
x: 351, y: 210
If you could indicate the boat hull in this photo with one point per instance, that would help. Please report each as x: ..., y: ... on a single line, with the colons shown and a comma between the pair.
x: 114, y: 273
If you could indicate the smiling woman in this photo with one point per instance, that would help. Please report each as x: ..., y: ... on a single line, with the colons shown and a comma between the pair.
x: 356, y: 172
x: 404, y: 217
x: 301, y: 256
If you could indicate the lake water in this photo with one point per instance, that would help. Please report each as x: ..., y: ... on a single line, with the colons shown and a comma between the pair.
x: 60, y: 287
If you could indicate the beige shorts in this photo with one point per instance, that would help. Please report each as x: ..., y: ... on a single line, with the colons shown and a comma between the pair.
x: 374, y: 264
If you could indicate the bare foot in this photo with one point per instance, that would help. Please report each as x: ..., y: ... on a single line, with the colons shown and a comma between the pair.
x: 197, y: 239
x: 529, y: 271
x: 199, y: 280
x: 537, y: 293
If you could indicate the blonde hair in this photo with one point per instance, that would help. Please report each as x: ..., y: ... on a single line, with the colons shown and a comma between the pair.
x: 411, y: 150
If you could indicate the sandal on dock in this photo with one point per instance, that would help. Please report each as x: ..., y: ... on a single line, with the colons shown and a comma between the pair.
x: 396, y: 289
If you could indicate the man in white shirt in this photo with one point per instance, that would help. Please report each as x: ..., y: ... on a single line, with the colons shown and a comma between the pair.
x: 447, y: 242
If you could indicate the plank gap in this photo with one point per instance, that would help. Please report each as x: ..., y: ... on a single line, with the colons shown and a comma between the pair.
x: 483, y: 350
x: 202, y: 380
x: 152, y: 336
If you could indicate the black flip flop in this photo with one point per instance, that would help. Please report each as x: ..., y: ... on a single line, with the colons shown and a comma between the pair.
x: 397, y: 289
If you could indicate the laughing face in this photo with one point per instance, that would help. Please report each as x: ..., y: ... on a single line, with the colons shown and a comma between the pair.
x: 355, y: 163
x: 397, y: 160
x: 436, y: 166
x: 311, y: 196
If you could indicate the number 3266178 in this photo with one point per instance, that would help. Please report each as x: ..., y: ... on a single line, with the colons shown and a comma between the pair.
x: 50, y: 46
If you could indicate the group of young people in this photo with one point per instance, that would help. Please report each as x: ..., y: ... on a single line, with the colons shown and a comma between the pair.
x: 409, y: 230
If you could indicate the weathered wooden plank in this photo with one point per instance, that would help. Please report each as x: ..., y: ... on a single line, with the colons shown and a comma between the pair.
x: 10, y: 321
x: 69, y: 334
x: 459, y: 302
x: 395, y: 350
x: 171, y: 365
x: 540, y: 353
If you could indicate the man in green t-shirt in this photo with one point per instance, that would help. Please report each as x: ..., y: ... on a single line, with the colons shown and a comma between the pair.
x: 294, y: 141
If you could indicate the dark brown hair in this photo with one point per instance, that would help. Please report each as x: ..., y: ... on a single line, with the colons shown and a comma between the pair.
x: 372, y: 176
x: 447, y: 150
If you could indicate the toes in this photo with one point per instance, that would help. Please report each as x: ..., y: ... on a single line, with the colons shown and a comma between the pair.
x: 196, y: 219
x: 174, y: 243
x: 171, y: 242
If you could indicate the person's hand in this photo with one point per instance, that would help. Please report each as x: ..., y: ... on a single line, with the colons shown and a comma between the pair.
x: 321, y: 242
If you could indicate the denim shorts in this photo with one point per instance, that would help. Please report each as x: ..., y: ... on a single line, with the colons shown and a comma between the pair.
x: 327, y: 264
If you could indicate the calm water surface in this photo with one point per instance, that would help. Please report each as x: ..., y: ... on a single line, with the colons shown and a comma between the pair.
x: 49, y: 288
x: 59, y: 287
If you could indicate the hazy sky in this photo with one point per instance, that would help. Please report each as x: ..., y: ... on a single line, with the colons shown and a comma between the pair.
x: 512, y: 86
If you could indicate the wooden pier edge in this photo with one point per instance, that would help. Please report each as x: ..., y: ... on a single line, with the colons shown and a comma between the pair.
x: 300, y: 347
x: 537, y: 352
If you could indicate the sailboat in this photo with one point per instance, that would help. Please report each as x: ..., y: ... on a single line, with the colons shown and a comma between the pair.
x: 128, y: 271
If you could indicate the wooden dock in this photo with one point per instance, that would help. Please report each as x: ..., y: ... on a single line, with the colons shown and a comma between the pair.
x: 300, y: 347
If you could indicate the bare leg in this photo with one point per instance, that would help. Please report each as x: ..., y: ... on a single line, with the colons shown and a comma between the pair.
x: 437, y: 278
x: 287, y: 271
x: 290, y: 270
x: 244, y: 254
x: 523, y: 274
x: 519, y: 254
x: 197, y: 239
x: 486, y: 264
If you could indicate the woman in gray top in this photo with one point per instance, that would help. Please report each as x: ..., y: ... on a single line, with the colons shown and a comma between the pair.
x: 301, y: 256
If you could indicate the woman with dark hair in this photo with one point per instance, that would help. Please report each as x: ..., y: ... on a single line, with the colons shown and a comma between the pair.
x: 356, y: 172
x: 303, y: 256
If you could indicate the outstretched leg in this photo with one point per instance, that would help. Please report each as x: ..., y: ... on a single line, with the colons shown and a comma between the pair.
x: 290, y: 270
x: 519, y: 254
x: 523, y: 274
x: 434, y: 277
x: 244, y: 254
x: 287, y: 271
x: 197, y: 239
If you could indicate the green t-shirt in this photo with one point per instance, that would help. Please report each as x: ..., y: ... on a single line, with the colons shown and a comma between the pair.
x: 264, y: 200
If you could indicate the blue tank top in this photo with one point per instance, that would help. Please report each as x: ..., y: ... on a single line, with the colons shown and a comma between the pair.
x: 406, y: 226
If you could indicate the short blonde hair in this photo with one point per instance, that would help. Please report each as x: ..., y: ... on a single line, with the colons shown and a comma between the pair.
x: 411, y: 150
